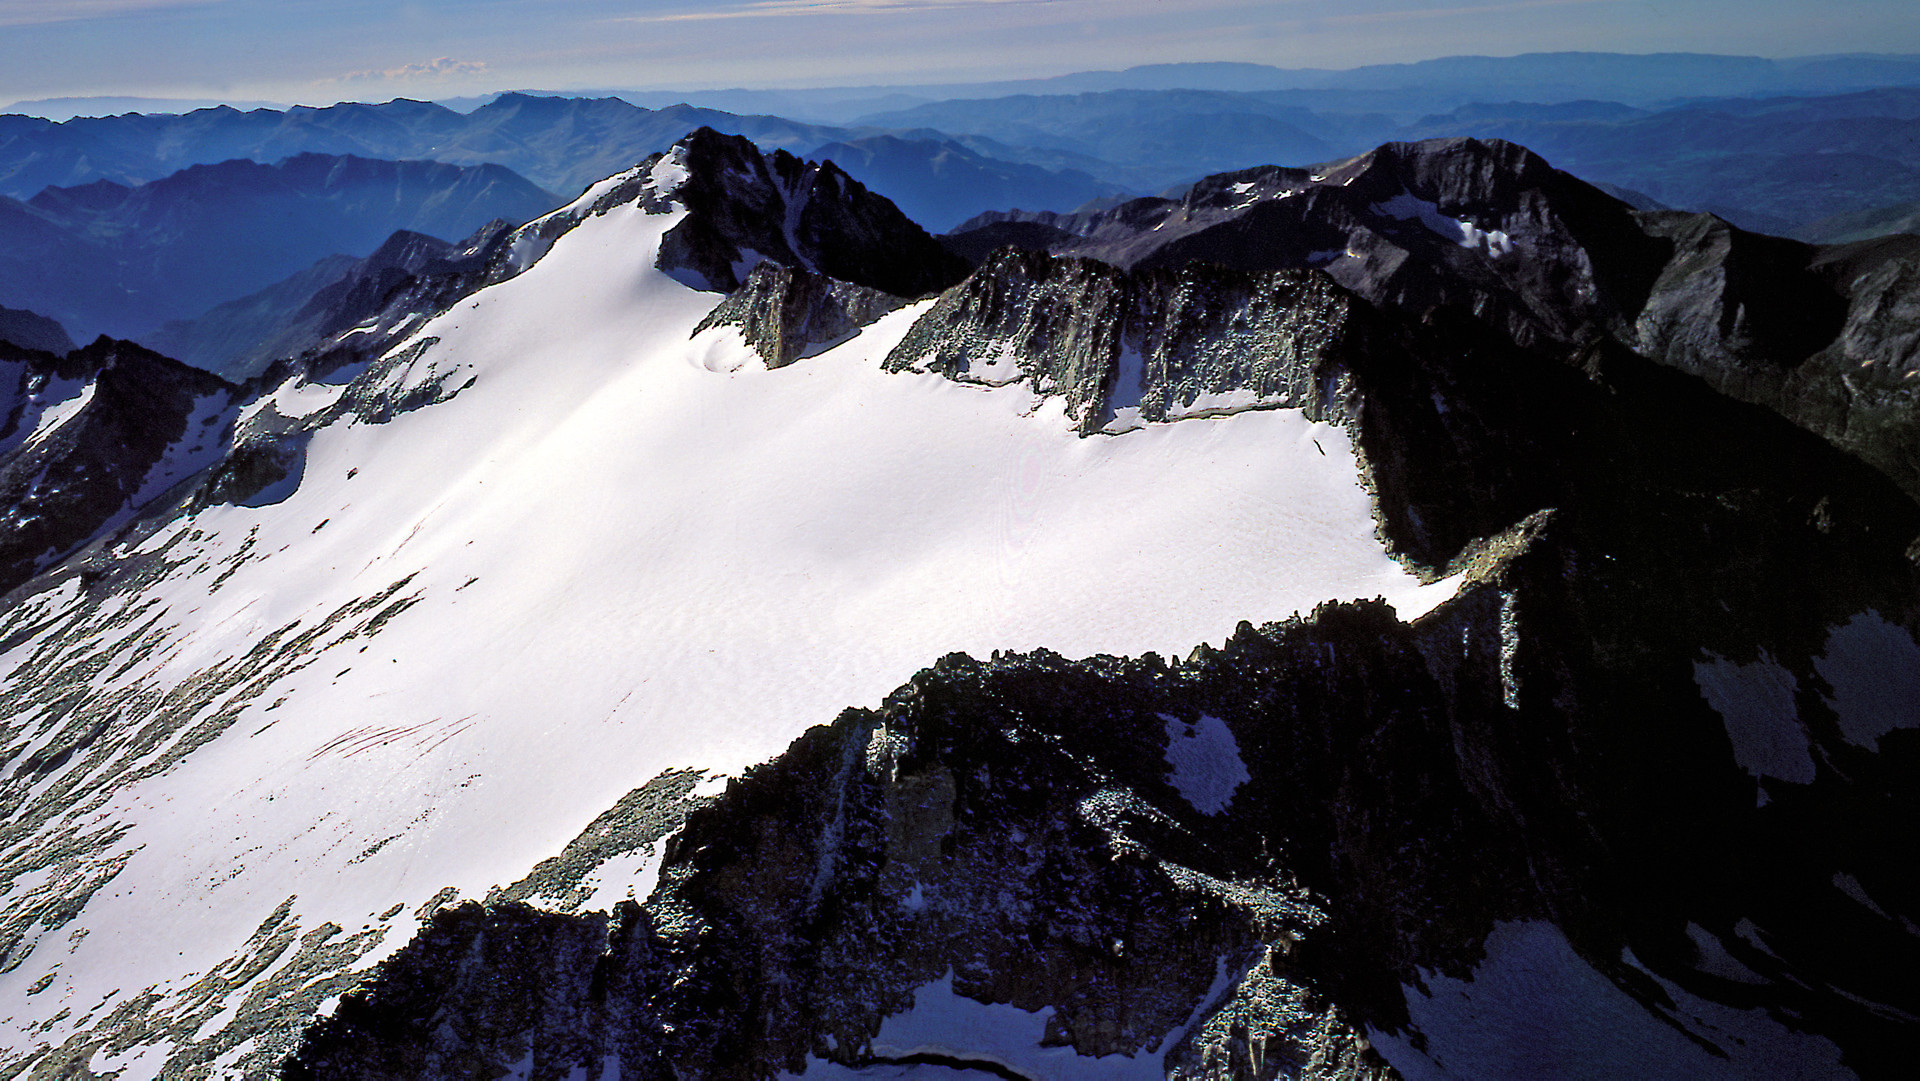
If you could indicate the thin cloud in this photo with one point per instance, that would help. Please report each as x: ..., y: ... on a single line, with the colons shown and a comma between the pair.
x: 438, y: 68
x: 41, y: 12
x: 771, y: 9
x: 1410, y: 14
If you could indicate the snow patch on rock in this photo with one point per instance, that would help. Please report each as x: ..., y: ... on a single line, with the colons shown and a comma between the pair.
x: 1408, y: 207
x: 60, y: 401
x: 1757, y: 703
x: 1000, y: 1036
x: 1873, y: 667
x: 1534, y: 1008
x: 1205, y: 762
x: 670, y: 172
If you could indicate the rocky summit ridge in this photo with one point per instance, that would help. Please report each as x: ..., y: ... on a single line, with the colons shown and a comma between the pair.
x: 1823, y: 336
x: 1636, y: 800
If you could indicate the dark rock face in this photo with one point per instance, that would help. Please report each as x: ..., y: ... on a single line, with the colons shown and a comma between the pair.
x: 980, y: 237
x: 1122, y: 348
x: 539, y: 969
x: 1552, y: 264
x: 1870, y: 371
x: 89, y: 437
x: 782, y: 312
x: 1482, y: 227
x: 799, y: 213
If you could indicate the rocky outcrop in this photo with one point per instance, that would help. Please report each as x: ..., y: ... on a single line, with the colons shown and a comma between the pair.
x: 90, y: 437
x: 980, y: 837
x: 743, y: 206
x: 783, y: 312
x: 1828, y: 338
x: 1122, y: 348
x: 1872, y: 366
x: 1483, y: 227
x: 1552, y: 265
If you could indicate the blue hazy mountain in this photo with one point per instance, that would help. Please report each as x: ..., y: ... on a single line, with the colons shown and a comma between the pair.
x: 110, y: 258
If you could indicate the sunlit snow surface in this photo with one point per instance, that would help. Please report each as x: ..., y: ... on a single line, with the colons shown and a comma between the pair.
x: 1408, y: 207
x: 627, y: 551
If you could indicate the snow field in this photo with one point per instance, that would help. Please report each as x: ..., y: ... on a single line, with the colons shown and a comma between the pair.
x: 628, y: 550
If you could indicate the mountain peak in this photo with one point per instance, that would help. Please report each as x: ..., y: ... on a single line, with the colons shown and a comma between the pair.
x: 744, y: 205
x: 1458, y: 171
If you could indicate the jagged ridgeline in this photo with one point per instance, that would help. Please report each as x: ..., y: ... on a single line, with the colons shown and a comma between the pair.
x: 1618, y: 779
x: 1568, y: 796
x: 1826, y: 336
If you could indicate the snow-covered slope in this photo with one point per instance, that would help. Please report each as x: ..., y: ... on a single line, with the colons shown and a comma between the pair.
x: 618, y: 549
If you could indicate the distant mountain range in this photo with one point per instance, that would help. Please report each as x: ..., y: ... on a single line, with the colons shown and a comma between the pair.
x: 943, y: 183
x: 1407, y: 90
x: 68, y: 108
x: 1773, y: 164
x: 1774, y: 145
x: 1639, y: 79
x: 1151, y: 139
x: 560, y: 143
x: 105, y: 257
x: 31, y: 330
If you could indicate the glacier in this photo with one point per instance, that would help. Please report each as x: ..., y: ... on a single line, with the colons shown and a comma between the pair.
x: 618, y: 549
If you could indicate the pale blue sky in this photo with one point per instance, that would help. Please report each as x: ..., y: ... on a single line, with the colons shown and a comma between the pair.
x: 320, y: 51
